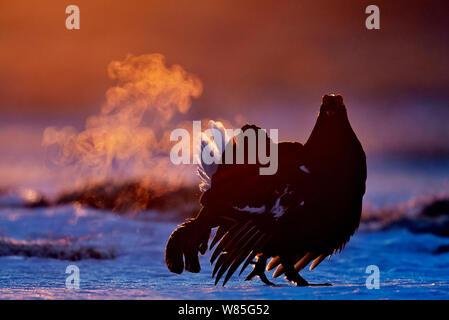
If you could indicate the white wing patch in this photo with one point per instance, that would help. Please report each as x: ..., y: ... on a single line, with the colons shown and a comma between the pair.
x: 304, y: 169
x: 277, y: 210
x: 251, y: 209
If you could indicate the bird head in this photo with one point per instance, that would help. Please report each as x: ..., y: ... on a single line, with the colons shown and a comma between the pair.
x: 332, y: 107
x: 332, y: 135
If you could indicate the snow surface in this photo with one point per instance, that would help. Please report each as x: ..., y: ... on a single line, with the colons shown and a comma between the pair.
x: 121, y: 257
x: 408, y: 268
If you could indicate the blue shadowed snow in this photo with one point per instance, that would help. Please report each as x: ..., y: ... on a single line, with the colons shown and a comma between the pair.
x: 123, y: 258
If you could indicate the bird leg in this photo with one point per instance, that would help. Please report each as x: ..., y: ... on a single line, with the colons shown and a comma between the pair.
x: 292, y: 275
x: 259, y: 270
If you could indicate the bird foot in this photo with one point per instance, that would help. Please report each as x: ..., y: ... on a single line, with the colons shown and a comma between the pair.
x: 261, y: 276
x: 295, y: 278
x: 298, y: 282
x: 265, y: 280
x: 320, y: 284
x: 303, y: 283
x: 259, y: 272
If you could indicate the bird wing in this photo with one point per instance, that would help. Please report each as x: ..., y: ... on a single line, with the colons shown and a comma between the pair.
x: 248, y: 207
x: 248, y: 229
x: 251, y: 230
x: 239, y: 243
x: 332, y: 242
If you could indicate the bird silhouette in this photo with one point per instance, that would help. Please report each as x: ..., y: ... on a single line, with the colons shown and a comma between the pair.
x: 302, y: 214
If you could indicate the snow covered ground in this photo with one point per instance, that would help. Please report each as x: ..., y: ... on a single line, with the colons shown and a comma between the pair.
x: 408, y: 268
x: 123, y: 258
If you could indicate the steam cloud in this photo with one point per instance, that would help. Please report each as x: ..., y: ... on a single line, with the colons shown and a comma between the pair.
x: 128, y: 136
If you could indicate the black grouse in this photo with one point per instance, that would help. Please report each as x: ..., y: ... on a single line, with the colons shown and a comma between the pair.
x: 302, y: 214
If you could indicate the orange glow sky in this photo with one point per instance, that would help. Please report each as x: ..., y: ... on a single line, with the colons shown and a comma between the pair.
x: 267, y: 62
x: 297, y: 49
